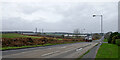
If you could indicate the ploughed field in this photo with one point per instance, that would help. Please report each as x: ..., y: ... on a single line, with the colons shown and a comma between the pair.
x: 13, y: 41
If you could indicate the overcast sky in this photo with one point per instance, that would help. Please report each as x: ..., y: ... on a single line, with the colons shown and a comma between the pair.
x: 59, y: 16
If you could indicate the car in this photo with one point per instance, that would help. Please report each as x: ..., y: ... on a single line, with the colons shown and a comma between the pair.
x: 88, y: 39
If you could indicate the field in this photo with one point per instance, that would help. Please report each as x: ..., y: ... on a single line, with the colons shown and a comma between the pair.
x: 14, y: 35
x: 107, y: 51
x: 15, y: 41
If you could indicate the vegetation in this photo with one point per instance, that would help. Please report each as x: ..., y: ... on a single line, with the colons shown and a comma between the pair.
x: 105, y: 40
x: 96, y: 36
x: 107, y: 35
x: 13, y: 41
x: 110, y: 49
x: 113, y: 37
x: 107, y: 51
x: 60, y: 39
x: 118, y: 42
x: 15, y: 35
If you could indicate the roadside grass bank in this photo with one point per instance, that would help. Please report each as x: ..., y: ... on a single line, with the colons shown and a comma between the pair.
x: 83, y: 54
x: 22, y: 47
x: 107, y: 51
x: 86, y: 52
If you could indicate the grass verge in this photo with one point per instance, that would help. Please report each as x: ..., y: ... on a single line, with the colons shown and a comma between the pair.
x: 107, y: 51
x: 86, y: 53
x: 105, y: 40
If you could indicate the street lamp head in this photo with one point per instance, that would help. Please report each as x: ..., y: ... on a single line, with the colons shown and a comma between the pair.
x: 94, y: 15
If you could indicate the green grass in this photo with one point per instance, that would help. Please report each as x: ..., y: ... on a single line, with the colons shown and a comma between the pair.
x: 107, y: 51
x: 105, y: 40
x: 60, y: 39
x: 119, y: 52
x: 14, y: 35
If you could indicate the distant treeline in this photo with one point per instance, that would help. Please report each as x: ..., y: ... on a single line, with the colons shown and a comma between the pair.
x: 16, y: 32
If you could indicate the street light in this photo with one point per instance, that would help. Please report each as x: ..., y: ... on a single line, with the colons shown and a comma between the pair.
x: 101, y: 22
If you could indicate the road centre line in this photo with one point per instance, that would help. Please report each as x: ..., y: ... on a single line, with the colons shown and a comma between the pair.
x: 50, y: 53
x: 63, y: 47
x: 79, y: 49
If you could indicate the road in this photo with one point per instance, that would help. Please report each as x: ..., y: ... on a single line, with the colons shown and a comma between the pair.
x: 92, y: 53
x: 58, y: 51
x: 73, y: 50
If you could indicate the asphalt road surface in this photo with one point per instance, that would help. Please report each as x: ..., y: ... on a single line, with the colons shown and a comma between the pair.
x: 58, y: 51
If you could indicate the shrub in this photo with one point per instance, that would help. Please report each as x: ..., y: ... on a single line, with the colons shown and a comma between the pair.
x: 113, y: 36
x: 113, y: 39
x: 96, y: 36
x: 107, y: 35
x: 118, y: 42
x: 18, y: 42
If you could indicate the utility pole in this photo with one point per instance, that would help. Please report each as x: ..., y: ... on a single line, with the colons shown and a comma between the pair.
x: 35, y: 30
x: 42, y: 31
x: 101, y: 22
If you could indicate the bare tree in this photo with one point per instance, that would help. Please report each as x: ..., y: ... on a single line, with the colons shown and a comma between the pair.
x: 76, y: 31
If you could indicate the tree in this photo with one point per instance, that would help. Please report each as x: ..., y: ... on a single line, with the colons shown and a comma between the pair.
x: 76, y: 31
x: 107, y: 35
x: 96, y: 36
x: 113, y: 37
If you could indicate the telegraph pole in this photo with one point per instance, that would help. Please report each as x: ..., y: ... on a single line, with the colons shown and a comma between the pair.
x: 42, y: 30
x: 35, y: 30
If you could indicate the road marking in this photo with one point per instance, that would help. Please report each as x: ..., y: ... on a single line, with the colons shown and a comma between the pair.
x: 63, y: 47
x: 50, y: 48
x: 50, y: 53
x: 79, y: 49
x: 67, y: 51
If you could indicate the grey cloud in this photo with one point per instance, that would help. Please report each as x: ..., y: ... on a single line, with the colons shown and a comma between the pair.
x: 75, y: 15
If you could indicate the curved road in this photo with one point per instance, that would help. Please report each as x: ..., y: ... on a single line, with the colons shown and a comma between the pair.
x: 73, y: 50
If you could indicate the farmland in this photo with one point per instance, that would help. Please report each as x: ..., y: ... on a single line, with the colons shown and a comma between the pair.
x: 14, y: 35
x: 13, y: 41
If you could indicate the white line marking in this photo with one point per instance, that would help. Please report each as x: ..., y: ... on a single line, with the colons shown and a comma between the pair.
x: 50, y: 53
x: 50, y: 48
x: 79, y: 49
x: 63, y: 47
x: 67, y: 51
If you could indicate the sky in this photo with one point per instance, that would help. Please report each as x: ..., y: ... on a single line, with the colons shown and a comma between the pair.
x: 59, y: 16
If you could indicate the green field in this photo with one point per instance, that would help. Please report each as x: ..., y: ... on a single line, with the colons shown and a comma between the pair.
x: 105, y: 40
x: 107, y: 51
x: 60, y: 39
x: 14, y: 35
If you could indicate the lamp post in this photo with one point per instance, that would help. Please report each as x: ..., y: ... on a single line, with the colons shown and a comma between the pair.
x: 101, y: 22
